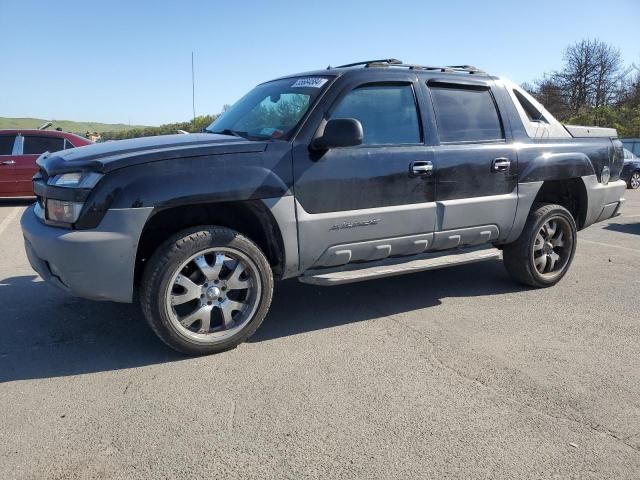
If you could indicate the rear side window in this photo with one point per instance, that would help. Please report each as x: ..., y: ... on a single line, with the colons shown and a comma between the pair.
x: 387, y: 112
x: 35, y: 145
x: 466, y: 115
x: 533, y: 114
x: 6, y: 144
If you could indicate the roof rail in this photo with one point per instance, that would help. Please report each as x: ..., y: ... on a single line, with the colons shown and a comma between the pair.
x: 368, y: 63
x: 392, y: 62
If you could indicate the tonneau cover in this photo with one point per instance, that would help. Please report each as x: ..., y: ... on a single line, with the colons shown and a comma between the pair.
x: 586, y: 132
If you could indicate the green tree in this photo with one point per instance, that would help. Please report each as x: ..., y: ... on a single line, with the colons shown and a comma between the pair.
x: 192, y: 126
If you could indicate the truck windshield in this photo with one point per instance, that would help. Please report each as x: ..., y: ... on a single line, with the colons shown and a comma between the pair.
x: 271, y: 110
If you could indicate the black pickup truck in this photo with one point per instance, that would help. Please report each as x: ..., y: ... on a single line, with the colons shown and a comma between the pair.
x: 333, y: 176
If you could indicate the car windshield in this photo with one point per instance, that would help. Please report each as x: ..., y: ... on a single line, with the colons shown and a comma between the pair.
x: 271, y: 110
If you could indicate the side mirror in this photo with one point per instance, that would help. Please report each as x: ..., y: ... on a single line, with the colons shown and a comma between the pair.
x: 339, y: 132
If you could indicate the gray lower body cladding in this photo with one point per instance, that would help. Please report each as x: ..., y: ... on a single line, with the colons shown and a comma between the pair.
x: 342, y: 237
x: 283, y: 210
x: 604, y: 201
x: 97, y: 264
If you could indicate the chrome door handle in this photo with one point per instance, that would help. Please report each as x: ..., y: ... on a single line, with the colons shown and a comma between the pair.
x: 421, y: 168
x: 500, y: 164
x: 7, y: 162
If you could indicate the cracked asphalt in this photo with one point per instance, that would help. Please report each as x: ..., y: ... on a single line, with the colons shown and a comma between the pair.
x: 457, y: 373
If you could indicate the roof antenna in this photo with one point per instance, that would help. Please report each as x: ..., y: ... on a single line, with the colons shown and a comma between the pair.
x: 44, y: 126
x: 193, y: 89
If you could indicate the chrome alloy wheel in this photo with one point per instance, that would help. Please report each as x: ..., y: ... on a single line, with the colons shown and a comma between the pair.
x: 634, y: 182
x: 214, y: 294
x: 552, y: 246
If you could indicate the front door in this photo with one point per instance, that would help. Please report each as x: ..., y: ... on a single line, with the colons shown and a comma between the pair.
x: 7, y: 166
x: 371, y: 201
x: 475, y: 165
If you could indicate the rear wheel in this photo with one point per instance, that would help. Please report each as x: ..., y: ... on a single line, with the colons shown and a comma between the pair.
x: 206, y: 290
x: 543, y: 253
x: 634, y: 181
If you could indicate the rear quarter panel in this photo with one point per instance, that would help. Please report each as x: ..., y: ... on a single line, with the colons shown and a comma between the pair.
x: 540, y: 160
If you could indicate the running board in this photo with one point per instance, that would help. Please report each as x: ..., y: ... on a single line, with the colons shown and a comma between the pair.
x: 396, y: 266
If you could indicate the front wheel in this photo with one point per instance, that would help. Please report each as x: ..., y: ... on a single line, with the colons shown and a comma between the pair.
x: 634, y: 181
x: 206, y: 290
x: 542, y: 254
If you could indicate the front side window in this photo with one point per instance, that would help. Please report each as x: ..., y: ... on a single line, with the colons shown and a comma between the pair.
x: 627, y: 154
x: 466, y: 114
x: 6, y: 144
x: 38, y: 144
x: 272, y: 110
x: 387, y: 112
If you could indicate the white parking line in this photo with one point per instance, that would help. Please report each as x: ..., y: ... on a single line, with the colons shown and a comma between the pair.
x: 8, y: 219
x: 609, y: 245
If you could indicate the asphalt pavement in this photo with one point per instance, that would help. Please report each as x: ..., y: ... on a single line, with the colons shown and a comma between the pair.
x: 457, y: 373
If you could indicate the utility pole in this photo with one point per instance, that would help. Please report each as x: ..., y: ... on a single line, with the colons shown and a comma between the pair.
x: 193, y: 89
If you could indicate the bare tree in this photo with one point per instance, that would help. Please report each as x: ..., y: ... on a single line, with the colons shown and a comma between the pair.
x: 630, y: 88
x: 591, y: 75
x: 607, y: 74
x: 576, y: 77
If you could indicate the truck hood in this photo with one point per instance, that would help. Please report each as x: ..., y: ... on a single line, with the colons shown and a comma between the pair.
x: 109, y: 156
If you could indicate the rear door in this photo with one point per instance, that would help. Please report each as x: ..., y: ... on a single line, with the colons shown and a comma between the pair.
x: 475, y: 165
x: 7, y: 165
x: 32, y: 147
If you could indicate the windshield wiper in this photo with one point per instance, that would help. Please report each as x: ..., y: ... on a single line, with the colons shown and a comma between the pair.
x: 228, y: 131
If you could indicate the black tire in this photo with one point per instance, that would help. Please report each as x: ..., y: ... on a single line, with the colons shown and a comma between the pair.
x: 158, y: 283
x: 520, y: 258
x: 634, y: 180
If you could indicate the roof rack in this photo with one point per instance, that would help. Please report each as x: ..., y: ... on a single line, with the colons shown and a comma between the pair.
x: 392, y: 62
x: 369, y: 63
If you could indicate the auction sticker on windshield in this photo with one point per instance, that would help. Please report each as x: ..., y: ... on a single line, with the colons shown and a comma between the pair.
x: 313, y: 82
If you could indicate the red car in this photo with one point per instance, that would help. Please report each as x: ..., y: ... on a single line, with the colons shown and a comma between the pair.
x: 19, y: 150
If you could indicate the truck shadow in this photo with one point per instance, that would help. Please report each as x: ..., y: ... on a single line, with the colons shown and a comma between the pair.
x: 299, y: 308
x: 631, y: 228
x: 47, y: 333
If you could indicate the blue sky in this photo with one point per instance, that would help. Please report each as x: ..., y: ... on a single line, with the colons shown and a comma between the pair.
x: 130, y: 61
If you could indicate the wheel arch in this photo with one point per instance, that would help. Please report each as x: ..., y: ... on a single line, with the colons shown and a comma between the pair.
x: 571, y: 193
x: 251, y: 218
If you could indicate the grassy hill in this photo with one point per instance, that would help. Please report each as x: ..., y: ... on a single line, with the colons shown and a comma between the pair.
x: 66, y: 125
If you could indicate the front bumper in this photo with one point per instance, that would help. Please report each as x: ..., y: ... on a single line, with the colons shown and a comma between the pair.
x: 97, y: 264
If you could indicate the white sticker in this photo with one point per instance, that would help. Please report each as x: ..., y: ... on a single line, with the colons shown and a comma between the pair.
x: 312, y: 82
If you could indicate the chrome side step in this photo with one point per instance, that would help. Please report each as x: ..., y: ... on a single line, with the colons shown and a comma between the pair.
x: 396, y: 266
